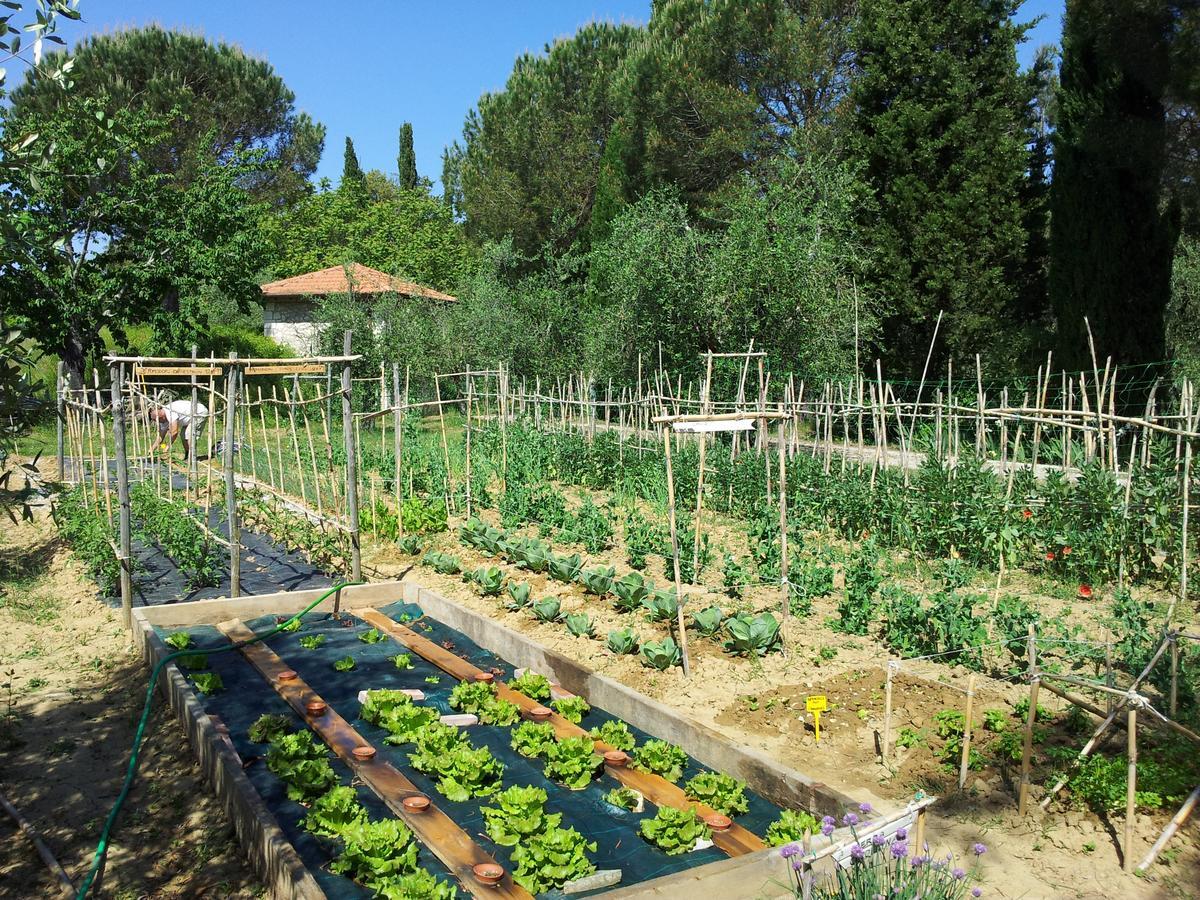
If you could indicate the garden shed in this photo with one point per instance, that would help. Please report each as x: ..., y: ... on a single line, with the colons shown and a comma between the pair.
x: 289, y: 305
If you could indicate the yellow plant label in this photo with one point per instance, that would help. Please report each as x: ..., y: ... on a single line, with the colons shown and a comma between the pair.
x: 816, y: 703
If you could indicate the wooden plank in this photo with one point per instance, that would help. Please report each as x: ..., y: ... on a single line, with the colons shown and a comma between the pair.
x: 735, y: 841
x: 152, y: 371
x: 293, y: 369
x: 434, y: 828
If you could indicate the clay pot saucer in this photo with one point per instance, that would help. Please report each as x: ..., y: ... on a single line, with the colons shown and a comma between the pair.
x: 540, y: 713
x: 315, y: 708
x: 616, y: 758
x: 364, y: 753
x: 288, y: 675
x: 718, y: 822
x: 418, y: 803
x: 488, y: 873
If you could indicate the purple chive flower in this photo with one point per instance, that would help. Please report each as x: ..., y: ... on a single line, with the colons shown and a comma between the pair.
x: 878, y: 840
x: 856, y: 852
x: 864, y: 808
x: 829, y: 820
x: 976, y: 892
x: 789, y: 851
x: 827, y: 829
x: 900, y: 850
x: 849, y: 819
x: 902, y: 834
x: 797, y: 866
x: 938, y: 864
x: 979, y: 849
x: 958, y: 874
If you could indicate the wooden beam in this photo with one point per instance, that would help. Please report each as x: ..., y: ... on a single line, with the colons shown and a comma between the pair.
x: 434, y: 828
x: 292, y: 369
x: 153, y: 371
x: 736, y: 841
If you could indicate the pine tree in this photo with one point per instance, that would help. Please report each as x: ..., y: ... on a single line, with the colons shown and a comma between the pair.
x: 937, y: 123
x: 406, y: 160
x: 352, y: 173
x: 1111, y: 235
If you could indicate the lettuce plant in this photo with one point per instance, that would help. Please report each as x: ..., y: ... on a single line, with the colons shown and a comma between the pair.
x: 533, y: 739
x: 532, y: 685
x: 548, y: 610
x: 599, y: 580
x: 333, y: 812
x: 616, y: 734
x: 631, y: 591
x: 519, y: 595
x: 552, y: 858
x: 790, y: 828
x: 708, y: 621
x: 461, y: 771
x: 580, y: 625
x: 564, y: 568
x: 442, y: 563
x: 208, y: 683
x: 180, y: 640
x: 661, y: 655
x: 395, y: 712
x: 573, y: 761
x: 312, y: 641
x: 752, y: 636
x: 345, y: 664
x: 402, y: 661
x: 721, y: 792
x: 660, y: 758
x: 674, y: 831
x: 489, y: 580
x: 302, y: 764
x: 375, y: 852
x: 372, y: 636
x: 662, y: 605
x: 518, y: 814
x: 622, y: 640
x: 573, y: 709
x: 268, y: 727
x: 472, y: 696
x: 409, y: 545
x: 623, y: 797
x: 418, y: 885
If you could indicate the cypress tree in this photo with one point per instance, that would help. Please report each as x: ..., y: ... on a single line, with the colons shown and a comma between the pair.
x: 938, y: 107
x: 352, y: 173
x: 1111, y: 239
x: 406, y: 160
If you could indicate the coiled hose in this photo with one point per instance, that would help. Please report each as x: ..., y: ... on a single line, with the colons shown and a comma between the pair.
x: 102, y: 847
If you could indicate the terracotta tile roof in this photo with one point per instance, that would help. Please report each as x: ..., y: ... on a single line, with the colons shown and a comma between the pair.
x: 333, y: 281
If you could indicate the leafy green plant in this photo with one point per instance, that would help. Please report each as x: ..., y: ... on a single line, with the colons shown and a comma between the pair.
x: 572, y: 762
x: 616, y: 734
x: 532, y: 685
x: 662, y: 605
x: 580, y: 625
x: 418, y: 885
x: 564, y: 568
x: 551, y: 858
x: 345, y: 664
x: 622, y: 640
x: 548, y: 610
x: 312, y: 641
x: 443, y: 563
x: 395, y: 712
x: 641, y: 539
x: 755, y: 636
x: 519, y: 594
x: 180, y: 640
x: 302, y: 764
x: 480, y: 698
x: 995, y: 720
x: 573, y: 709
x: 592, y: 527
x: 631, y: 591
x: 533, y: 739
x: 402, y: 661
x: 661, y: 655
x: 674, y: 831
x: 1021, y: 711
x: 290, y: 625
x: 333, y: 812
x: 708, y: 621
x: 808, y: 579
x: 267, y: 727
x: 409, y: 544
x: 519, y: 813
x: 372, y: 636
x: 623, y: 797
x: 723, y: 793
x: 857, y: 608
x: 421, y: 516
x: 598, y: 581
x: 790, y: 828
x: 660, y: 758
x: 208, y: 683
x: 734, y: 576
x: 489, y: 580
x: 461, y: 771
x: 374, y: 852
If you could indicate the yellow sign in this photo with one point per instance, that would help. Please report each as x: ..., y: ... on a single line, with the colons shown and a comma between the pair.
x: 287, y: 369
x: 816, y: 704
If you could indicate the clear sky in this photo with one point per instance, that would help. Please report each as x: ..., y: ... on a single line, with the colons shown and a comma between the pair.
x: 382, y: 62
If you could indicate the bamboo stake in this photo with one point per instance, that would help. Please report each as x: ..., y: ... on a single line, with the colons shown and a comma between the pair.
x: 1027, y: 746
x: 437, y: 387
x: 680, y: 624
x: 283, y: 485
x: 783, y: 530
x: 964, y: 764
x: 1169, y: 832
x: 397, y: 447
x: 1130, y: 788
x: 262, y: 416
x: 705, y: 396
x: 296, y: 437
x: 887, y: 711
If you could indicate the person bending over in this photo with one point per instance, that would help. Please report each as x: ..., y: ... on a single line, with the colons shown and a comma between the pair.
x: 175, y: 421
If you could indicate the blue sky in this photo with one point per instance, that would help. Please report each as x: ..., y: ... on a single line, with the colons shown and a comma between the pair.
x: 362, y: 74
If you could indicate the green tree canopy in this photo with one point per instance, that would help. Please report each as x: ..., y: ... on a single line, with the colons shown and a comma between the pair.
x: 406, y: 160
x: 218, y: 100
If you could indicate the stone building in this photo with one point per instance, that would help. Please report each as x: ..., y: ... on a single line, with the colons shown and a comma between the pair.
x: 289, y: 305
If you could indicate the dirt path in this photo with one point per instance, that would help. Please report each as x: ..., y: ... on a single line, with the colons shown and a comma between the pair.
x: 74, y: 691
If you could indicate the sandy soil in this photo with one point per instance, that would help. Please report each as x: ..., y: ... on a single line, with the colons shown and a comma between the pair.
x: 760, y: 703
x: 73, y: 691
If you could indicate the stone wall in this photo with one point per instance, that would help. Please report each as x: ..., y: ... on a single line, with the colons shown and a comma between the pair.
x: 290, y: 322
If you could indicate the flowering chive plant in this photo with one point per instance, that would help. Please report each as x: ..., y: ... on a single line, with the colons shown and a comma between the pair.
x: 884, y: 866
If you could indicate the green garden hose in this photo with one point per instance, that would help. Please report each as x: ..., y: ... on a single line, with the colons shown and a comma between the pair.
x: 106, y: 833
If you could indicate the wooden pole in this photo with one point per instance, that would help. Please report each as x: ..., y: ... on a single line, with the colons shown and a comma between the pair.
x: 887, y: 710
x: 783, y: 530
x: 1130, y: 787
x: 1027, y: 746
x: 1169, y: 832
x: 467, y: 441
x: 680, y: 623
x: 60, y: 397
x: 1173, y: 699
x: 291, y: 397
x: 437, y: 387
x: 351, y: 465
x: 397, y: 447
x: 124, y: 535
x: 965, y: 763
x: 231, y: 514
x: 706, y: 394
x: 193, y: 461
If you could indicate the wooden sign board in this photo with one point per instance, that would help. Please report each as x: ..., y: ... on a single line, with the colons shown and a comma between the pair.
x: 720, y: 425
x: 186, y: 371
x: 294, y: 369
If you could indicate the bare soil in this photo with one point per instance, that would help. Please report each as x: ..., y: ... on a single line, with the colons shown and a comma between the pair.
x: 72, y: 692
